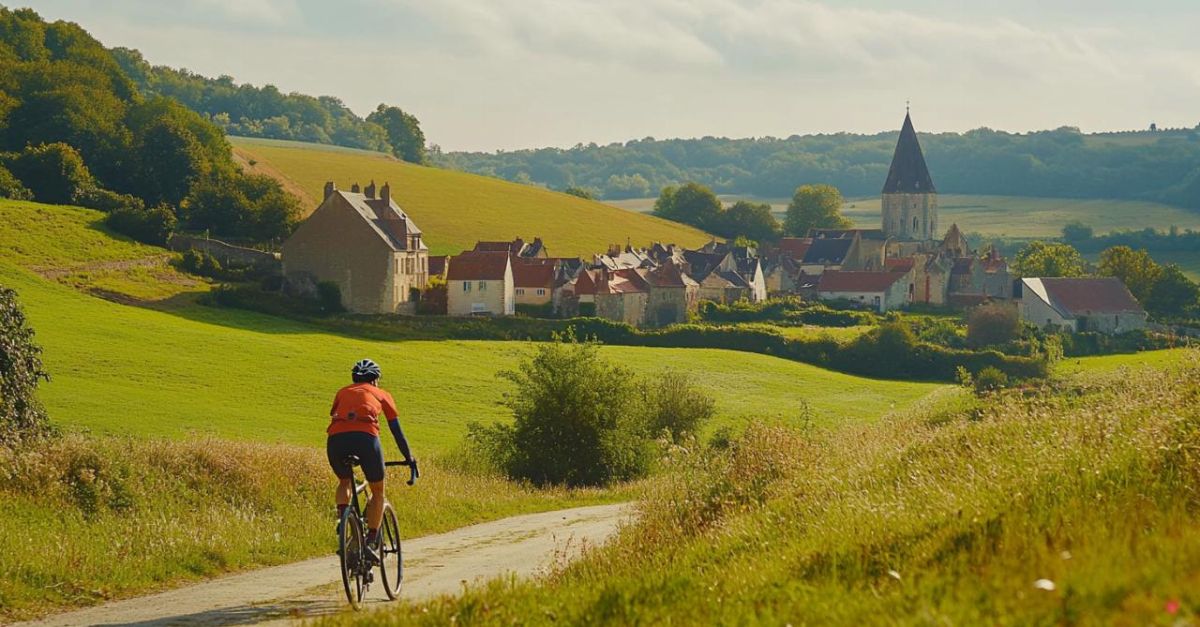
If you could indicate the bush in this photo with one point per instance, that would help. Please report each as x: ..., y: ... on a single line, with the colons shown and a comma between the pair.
x: 993, y: 324
x: 54, y: 173
x: 674, y: 406
x: 990, y: 379
x: 21, y: 370
x: 11, y: 187
x: 151, y: 226
x: 329, y: 295
x: 575, y: 420
x: 536, y: 311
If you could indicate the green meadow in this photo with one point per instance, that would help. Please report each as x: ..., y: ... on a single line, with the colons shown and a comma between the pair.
x: 455, y: 209
x: 178, y: 369
x: 1007, y: 216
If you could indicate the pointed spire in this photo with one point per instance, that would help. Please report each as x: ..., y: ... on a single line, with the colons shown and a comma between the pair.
x: 908, y: 173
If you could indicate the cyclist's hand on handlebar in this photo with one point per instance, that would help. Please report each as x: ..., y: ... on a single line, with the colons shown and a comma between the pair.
x: 414, y: 471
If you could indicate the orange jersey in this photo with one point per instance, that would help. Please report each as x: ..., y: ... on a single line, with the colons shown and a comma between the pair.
x: 357, y: 407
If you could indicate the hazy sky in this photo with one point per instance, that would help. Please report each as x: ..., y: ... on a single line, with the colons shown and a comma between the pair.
x: 488, y: 74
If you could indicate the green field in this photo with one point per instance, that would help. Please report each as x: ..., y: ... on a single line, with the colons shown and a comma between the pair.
x: 188, y: 369
x: 1008, y: 216
x: 455, y: 209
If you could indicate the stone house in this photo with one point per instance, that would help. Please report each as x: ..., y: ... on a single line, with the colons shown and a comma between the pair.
x: 365, y: 244
x: 672, y: 295
x: 533, y: 283
x: 622, y: 295
x: 880, y: 290
x: 1101, y: 304
x: 480, y: 283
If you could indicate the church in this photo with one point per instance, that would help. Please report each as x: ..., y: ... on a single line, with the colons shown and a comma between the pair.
x: 917, y: 262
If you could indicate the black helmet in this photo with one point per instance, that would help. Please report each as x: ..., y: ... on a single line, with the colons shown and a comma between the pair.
x: 366, y: 369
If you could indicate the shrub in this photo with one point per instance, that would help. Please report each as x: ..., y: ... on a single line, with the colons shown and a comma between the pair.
x: 54, y: 173
x: 11, y: 187
x: 108, y: 201
x: 151, y: 226
x: 20, y: 372
x: 993, y: 324
x: 575, y: 420
x: 329, y: 295
x: 675, y: 406
x: 990, y: 379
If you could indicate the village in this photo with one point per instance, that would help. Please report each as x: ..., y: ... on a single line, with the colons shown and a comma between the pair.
x: 363, y: 242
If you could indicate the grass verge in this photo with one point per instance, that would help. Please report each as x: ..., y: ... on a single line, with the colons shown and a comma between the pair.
x: 86, y: 519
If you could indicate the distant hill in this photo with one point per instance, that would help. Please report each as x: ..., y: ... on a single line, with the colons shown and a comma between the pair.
x: 1161, y: 166
x: 455, y: 209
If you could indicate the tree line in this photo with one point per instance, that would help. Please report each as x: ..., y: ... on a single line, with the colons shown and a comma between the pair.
x: 811, y: 207
x: 250, y: 111
x: 74, y: 129
x: 1062, y: 163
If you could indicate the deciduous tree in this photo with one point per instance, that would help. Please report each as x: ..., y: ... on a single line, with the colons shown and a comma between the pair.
x: 1048, y: 259
x: 1135, y: 268
x: 814, y: 207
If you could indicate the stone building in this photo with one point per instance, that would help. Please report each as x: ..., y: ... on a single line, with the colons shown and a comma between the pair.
x: 910, y: 203
x: 365, y: 244
x: 1101, y: 304
x: 480, y: 283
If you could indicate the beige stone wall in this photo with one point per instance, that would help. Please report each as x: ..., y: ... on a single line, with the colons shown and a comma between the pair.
x: 530, y: 296
x: 629, y: 308
x: 335, y: 244
x: 493, y: 297
x: 900, y: 211
x: 666, y: 305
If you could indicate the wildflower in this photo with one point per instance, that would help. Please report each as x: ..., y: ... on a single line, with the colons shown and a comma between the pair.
x: 1172, y: 607
x: 1044, y: 584
x: 894, y: 575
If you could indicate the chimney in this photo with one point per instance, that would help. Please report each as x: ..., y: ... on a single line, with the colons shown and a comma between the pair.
x: 385, y: 194
x: 355, y: 188
x: 329, y: 189
x: 370, y: 190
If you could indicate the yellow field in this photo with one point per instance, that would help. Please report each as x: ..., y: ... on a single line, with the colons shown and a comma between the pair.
x: 455, y: 209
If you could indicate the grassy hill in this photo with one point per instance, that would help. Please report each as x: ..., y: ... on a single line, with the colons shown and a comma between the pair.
x: 1007, y: 216
x: 455, y: 209
x: 179, y: 368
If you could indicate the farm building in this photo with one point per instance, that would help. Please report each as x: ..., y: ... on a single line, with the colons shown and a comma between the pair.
x: 1101, y: 304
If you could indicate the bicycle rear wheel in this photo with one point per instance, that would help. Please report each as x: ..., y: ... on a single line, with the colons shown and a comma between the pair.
x: 350, y: 554
x: 391, y: 563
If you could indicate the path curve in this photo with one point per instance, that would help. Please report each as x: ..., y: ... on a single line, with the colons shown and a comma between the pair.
x: 438, y: 564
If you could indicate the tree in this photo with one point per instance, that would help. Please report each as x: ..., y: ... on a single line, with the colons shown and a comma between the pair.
x: 581, y: 192
x: 20, y: 372
x: 55, y: 173
x: 752, y: 220
x: 1173, y: 294
x: 1048, y: 259
x: 403, y: 131
x: 814, y: 207
x: 675, y: 406
x: 1134, y: 268
x: 993, y: 324
x: 1076, y: 231
x: 690, y: 203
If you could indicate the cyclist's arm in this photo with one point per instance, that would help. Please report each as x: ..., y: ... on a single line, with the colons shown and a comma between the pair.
x: 393, y: 418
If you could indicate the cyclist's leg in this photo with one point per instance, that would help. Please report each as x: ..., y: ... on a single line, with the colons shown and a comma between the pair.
x: 336, y: 450
x: 372, y: 465
x: 375, y: 506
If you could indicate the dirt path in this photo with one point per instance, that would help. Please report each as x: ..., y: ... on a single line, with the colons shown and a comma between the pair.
x: 439, y: 564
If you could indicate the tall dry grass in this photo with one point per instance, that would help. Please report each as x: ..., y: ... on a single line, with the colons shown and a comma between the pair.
x: 1076, y: 503
x: 85, y: 519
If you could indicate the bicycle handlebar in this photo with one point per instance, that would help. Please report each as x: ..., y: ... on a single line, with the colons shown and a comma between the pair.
x: 413, y: 473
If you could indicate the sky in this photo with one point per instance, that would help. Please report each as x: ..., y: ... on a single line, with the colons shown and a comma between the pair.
x: 509, y: 74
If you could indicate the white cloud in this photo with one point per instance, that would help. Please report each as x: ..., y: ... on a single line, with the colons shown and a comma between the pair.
x: 272, y: 12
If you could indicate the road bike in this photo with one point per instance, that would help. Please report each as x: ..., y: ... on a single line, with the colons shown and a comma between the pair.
x: 357, y: 575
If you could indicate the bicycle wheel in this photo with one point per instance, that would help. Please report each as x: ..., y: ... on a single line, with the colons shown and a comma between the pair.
x: 391, y: 561
x: 350, y: 554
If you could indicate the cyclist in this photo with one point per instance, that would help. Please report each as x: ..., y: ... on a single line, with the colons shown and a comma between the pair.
x: 354, y: 430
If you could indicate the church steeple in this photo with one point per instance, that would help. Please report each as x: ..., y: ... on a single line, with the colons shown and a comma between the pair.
x: 908, y: 174
x: 910, y: 206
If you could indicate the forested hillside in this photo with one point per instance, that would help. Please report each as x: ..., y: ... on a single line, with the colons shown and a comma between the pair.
x: 75, y: 130
x: 250, y: 111
x: 1163, y: 166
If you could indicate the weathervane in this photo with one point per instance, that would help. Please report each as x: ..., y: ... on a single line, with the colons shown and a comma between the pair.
x: 906, y: 103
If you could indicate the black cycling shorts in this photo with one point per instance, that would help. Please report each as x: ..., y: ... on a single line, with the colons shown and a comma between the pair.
x: 361, y: 444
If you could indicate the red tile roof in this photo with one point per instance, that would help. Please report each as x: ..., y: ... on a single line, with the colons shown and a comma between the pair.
x: 896, y: 264
x: 477, y: 266
x: 624, y: 281
x: 856, y: 281
x: 585, y: 283
x: 533, y: 275
x: 795, y: 247
x: 1091, y: 295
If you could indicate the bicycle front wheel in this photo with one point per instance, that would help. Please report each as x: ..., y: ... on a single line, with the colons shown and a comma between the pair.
x: 391, y: 563
x: 353, y: 561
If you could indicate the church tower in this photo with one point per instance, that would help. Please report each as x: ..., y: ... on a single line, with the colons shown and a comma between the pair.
x: 910, y: 205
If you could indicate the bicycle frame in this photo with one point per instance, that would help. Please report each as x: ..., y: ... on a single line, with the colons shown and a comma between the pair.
x: 360, y: 487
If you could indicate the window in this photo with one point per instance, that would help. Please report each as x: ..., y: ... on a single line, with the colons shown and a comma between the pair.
x: 466, y: 286
x: 915, y: 223
x: 483, y: 286
x: 520, y: 291
x: 541, y: 292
